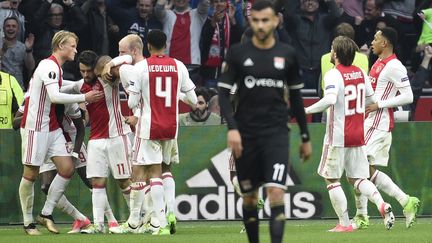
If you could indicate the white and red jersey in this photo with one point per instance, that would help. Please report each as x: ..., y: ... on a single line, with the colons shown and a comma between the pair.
x: 72, y: 111
x: 386, y: 76
x: 159, y: 79
x: 345, y: 119
x: 39, y: 112
x: 106, y: 119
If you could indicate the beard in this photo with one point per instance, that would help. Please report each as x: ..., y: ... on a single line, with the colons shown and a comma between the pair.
x: 198, y: 115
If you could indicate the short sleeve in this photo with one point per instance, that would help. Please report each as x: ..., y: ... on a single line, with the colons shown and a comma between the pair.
x: 48, y: 72
x: 332, y: 79
x: 72, y: 110
x: 292, y: 70
x: 186, y: 84
x: 397, y: 74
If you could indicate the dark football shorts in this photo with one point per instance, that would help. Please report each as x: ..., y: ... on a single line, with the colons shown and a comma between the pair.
x: 264, y: 160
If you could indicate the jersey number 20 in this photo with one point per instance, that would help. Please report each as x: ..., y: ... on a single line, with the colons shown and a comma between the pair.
x: 354, y: 93
x: 166, y: 93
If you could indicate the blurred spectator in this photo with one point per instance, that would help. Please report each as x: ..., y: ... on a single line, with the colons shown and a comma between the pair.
x: 16, y: 55
x: 374, y: 19
x: 421, y: 78
x: 183, y: 25
x: 102, y: 34
x: 311, y: 31
x: 219, y: 32
x: 11, y: 97
x: 51, y: 18
x: 352, y: 11
x: 138, y: 20
x: 403, y: 11
x: 200, y: 115
x: 360, y: 59
x: 9, y: 8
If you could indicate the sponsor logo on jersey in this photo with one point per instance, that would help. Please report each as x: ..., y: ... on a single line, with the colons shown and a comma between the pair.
x: 251, y: 81
x: 211, y: 195
x: 248, y: 63
x: 404, y: 79
x: 279, y: 62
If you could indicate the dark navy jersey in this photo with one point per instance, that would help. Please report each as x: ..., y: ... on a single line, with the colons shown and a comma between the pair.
x: 261, y: 77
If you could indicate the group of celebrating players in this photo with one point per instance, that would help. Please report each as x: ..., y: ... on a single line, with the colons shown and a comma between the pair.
x: 258, y: 132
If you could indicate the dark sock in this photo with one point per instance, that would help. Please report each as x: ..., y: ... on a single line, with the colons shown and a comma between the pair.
x: 277, y: 222
x: 251, y: 222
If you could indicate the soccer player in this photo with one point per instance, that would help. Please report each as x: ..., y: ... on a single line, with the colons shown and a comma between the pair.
x: 345, y: 89
x: 392, y: 89
x: 71, y: 123
x: 108, y: 147
x: 41, y: 135
x: 157, y: 86
x: 258, y: 132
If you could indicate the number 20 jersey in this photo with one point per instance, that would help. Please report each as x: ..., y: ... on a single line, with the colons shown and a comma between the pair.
x: 345, y: 119
x: 159, y: 79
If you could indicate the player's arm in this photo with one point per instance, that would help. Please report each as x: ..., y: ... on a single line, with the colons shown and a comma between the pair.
x: 330, y: 93
x: 106, y: 72
x: 73, y: 111
x: 369, y: 92
x: 16, y: 123
x: 398, y: 76
x: 187, y: 86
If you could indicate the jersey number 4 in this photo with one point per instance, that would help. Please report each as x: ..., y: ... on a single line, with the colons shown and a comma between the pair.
x: 354, y: 93
x: 164, y: 93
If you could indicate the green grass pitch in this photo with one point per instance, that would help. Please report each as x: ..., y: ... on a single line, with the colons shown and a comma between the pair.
x: 228, y: 231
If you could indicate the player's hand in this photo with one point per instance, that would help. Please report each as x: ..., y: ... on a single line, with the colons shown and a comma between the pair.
x: 131, y: 120
x: 235, y: 143
x: 106, y: 72
x: 305, y: 151
x: 372, y: 107
x: 93, y: 96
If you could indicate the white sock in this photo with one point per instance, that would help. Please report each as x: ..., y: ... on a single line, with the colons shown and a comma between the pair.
x: 384, y: 183
x: 99, y: 199
x: 368, y: 189
x: 169, y: 190
x: 56, y: 190
x: 147, y: 205
x: 339, y: 202
x: 361, y: 203
x: 26, y: 194
x: 157, y: 196
x: 109, y: 213
x: 67, y: 207
x: 136, y: 202
x: 126, y: 194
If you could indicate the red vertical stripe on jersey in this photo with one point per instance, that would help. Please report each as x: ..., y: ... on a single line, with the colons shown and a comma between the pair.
x: 29, y: 146
x: 39, y: 114
x: 354, y: 123
x: 117, y: 115
x: 26, y: 105
x: 163, y: 118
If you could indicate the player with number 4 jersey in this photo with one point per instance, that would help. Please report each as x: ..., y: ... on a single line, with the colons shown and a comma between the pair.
x: 346, y: 88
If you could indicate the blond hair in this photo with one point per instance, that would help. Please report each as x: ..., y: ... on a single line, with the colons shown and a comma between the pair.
x: 62, y: 37
x: 134, y: 42
x: 100, y: 64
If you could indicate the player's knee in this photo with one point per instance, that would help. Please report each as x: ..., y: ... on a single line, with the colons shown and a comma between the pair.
x: 275, y: 195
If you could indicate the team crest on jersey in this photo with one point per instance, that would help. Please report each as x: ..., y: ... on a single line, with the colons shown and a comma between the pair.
x: 379, y: 68
x: 279, y: 62
x: 52, y: 75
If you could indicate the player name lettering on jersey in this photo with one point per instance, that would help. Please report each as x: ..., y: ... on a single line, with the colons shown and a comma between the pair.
x: 162, y: 68
x: 352, y: 75
x: 251, y: 81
